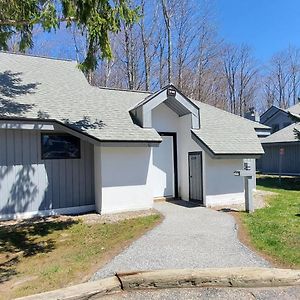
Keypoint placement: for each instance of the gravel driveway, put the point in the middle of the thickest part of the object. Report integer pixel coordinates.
(189, 237)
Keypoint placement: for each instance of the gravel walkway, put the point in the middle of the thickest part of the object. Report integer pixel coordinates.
(189, 237)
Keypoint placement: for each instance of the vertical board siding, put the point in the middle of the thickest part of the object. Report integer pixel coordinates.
(269, 162)
(28, 183)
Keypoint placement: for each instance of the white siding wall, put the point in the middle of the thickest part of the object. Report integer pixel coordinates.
(219, 184)
(162, 170)
(164, 119)
(29, 184)
(222, 187)
(187, 144)
(124, 179)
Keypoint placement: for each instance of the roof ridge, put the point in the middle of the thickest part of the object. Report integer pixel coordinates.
(122, 89)
(294, 105)
(38, 56)
(280, 132)
(230, 113)
(270, 108)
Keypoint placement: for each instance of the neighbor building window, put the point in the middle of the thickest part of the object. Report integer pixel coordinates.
(60, 146)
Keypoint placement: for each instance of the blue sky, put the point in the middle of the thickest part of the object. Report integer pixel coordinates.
(268, 26)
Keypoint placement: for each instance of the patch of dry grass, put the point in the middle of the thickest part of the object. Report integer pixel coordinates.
(45, 255)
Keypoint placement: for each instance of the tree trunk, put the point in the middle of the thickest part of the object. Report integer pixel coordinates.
(167, 19)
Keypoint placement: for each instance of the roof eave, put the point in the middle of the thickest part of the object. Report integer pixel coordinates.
(224, 155)
(95, 139)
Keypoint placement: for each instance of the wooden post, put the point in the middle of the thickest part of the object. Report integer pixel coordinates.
(248, 195)
(281, 153)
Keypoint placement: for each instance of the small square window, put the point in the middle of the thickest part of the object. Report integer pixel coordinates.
(60, 146)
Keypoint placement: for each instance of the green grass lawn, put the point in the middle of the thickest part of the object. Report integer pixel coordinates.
(42, 256)
(275, 230)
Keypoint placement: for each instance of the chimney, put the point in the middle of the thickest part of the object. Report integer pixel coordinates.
(252, 115)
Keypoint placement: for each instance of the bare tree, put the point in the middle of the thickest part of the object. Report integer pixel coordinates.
(167, 15)
(130, 70)
(269, 92)
(178, 41)
(145, 42)
(185, 37)
(281, 78)
(148, 26)
(231, 63)
(294, 70)
(240, 71)
(247, 84)
(206, 76)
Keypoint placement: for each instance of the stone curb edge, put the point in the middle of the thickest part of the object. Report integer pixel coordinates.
(176, 278)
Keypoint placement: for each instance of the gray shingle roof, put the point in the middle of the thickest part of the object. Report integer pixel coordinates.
(33, 87)
(284, 135)
(295, 110)
(226, 133)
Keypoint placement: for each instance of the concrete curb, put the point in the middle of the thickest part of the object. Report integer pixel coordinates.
(227, 277)
(159, 279)
(89, 290)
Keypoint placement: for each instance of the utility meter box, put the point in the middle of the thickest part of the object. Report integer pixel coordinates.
(243, 173)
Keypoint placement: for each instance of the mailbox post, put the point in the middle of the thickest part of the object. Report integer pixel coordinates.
(247, 174)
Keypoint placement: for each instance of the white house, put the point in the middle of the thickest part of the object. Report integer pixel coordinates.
(68, 147)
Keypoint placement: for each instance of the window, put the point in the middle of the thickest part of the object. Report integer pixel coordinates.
(60, 146)
(286, 124)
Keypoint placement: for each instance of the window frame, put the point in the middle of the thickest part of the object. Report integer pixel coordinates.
(58, 134)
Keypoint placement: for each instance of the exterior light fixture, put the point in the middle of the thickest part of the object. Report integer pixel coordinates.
(171, 92)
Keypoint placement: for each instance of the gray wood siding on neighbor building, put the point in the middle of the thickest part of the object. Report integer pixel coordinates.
(280, 119)
(269, 162)
(30, 184)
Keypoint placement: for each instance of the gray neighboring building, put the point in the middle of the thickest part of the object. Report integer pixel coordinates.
(278, 118)
(282, 152)
(282, 149)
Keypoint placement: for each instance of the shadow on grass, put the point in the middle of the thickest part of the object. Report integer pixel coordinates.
(287, 183)
(7, 269)
(27, 238)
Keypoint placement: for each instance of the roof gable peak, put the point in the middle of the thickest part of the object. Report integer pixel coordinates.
(173, 98)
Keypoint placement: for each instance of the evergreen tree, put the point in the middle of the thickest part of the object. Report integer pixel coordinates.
(97, 17)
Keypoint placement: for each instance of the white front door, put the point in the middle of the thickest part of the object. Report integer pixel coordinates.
(163, 168)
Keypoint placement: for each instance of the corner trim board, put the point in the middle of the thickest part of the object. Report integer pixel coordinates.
(201, 201)
(174, 135)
